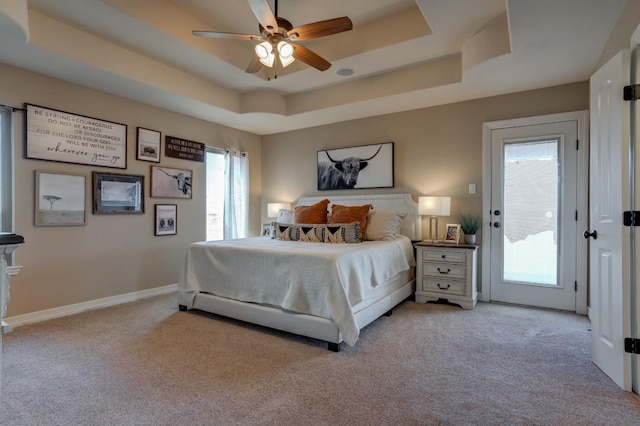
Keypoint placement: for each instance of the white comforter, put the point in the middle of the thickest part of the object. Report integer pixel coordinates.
(324, 280)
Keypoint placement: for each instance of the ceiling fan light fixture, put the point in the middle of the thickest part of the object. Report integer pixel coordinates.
(285, 51)
(264, 51)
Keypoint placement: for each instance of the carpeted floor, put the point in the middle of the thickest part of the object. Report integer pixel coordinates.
(146, 363)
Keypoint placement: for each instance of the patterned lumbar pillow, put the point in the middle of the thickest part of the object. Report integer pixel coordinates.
(317, 233)
(312, 233)
(281, 231)
(343, 233)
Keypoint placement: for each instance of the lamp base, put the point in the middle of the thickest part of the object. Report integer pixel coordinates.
(433, 230)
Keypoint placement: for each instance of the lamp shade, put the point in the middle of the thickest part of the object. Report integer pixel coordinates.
(434, 206)
(274, 208)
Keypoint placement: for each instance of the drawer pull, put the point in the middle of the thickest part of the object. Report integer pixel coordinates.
(444, 256)
(444, 288)
(444, 272)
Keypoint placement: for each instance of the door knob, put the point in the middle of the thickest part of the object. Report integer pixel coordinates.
(593, 234)
(496, 224)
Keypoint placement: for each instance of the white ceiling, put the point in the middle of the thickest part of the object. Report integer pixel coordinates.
(405, 54)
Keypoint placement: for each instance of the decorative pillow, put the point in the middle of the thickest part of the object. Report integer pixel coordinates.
(315, 213)
(343, 233)
(281, 231)
(383, 225)
(317, 233)
(285, 216)
(349, 214)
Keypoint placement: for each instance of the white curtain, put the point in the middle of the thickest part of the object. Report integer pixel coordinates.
(236, 200)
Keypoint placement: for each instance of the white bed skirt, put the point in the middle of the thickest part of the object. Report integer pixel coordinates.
(303, 324)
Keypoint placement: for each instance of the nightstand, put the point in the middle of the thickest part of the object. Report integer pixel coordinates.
(447, 271)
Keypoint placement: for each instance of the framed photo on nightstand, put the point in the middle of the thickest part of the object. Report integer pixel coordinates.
(452, 233)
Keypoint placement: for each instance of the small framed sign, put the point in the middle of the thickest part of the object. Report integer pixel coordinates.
(184, 149)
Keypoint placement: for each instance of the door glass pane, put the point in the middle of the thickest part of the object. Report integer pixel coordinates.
(530, 212)
(215, 195)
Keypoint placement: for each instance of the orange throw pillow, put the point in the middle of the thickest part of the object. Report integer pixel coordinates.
(349, 214)
(313, 214)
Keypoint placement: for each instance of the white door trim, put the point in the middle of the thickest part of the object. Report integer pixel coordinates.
(582, 117)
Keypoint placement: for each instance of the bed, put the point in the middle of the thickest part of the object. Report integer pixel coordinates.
(318, 290)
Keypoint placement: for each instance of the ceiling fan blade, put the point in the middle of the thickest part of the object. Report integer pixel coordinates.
(305, 55)
(234, 36)
(264, 15)
(321, 28)
(254, 65)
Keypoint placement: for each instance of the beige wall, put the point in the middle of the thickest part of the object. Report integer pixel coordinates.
(112, 254)
(438, 150)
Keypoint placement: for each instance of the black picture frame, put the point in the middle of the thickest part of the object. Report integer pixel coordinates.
(166, 219)
(357, 167)
(148, 146)
(115, 193)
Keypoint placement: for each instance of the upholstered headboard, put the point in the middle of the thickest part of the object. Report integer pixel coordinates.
(411, 225)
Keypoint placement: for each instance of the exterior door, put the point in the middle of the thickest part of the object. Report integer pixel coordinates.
(609, 196)
(533, 225)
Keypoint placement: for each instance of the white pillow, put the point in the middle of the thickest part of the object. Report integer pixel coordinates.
(383, 225)
(285, 216)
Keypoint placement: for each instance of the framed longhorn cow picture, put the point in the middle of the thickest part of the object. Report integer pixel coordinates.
(167, 182)
(358, 167)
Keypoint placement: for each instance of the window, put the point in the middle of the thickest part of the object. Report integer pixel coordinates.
(227, 194)
(6, 173)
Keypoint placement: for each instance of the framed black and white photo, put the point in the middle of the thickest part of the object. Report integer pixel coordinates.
(167, 182)
(60, 199)
(358, 167)
(452, 233)
(166, 219)
(148, 145)
(115, 193)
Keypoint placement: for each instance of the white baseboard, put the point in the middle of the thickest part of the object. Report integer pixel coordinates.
(62, 311)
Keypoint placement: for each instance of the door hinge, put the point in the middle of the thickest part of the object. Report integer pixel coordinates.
(575, 286)
(631, 93)
(631, 218)
(576, 215)
(577, 144)
(632, 345)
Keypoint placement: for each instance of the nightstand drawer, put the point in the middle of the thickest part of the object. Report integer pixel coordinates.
(444, 286)
(444, 270)
(443, 256)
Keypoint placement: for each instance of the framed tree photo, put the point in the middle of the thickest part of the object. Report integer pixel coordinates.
(148, 145)
(115, 193)
(60, 199)
(166, 219)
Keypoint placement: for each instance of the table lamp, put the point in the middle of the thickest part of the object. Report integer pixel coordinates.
(434, 207)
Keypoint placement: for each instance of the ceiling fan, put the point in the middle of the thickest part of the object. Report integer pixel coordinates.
(278, 35)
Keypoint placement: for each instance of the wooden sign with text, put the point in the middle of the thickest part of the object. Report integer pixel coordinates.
(69, 138)
(184, 149)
